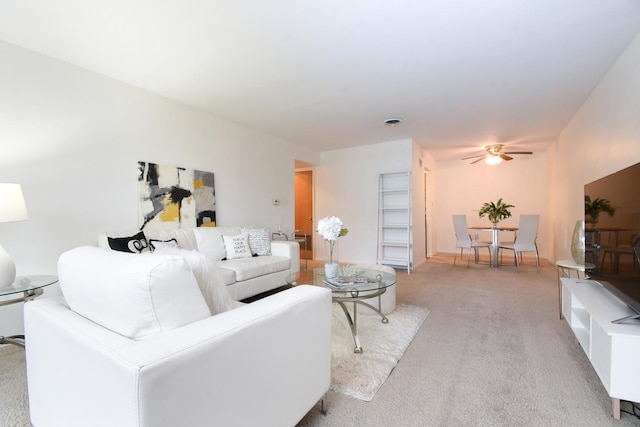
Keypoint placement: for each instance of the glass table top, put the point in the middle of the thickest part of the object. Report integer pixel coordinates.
(350, 278)
(27, 284)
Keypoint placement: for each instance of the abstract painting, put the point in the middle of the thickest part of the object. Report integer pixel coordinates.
(175, 197)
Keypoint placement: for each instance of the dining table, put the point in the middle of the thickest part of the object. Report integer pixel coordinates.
(495, 239)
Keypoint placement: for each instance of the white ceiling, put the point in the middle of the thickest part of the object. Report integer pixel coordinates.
(462, 73)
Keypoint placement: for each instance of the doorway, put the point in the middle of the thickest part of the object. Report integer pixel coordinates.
(303, 193)
(427, 212)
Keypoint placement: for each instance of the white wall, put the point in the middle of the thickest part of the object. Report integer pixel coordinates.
(603, 137)
(418, 206)
(424, 166)
(430, 171)
(346, 186)
(73, 138)
(463, 188)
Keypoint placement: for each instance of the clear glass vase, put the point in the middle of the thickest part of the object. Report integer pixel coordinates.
(331, 269)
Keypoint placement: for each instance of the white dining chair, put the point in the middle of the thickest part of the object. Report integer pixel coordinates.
(525, 240)
(464, 240)
(616, 251)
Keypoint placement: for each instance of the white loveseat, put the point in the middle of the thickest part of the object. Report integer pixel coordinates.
(244, 277)
(133, 343)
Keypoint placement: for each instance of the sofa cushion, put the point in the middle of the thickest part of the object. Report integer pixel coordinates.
(136, 244)
(161, 244)
(184, 236)
(248, 268)
(259, 240)
(209, 240)
(135, 295)
(237, 246)
(212, 280)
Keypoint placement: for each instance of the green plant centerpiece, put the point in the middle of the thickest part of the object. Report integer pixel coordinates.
(495, 211)
(593, 208)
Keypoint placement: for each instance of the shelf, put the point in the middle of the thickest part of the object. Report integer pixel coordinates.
(394, 244)
(582, 316)
(392, 261)
(396, 190)
(395, 235)
(612, 349)
(584, 338)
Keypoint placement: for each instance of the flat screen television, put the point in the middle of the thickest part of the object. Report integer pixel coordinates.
(618, 226)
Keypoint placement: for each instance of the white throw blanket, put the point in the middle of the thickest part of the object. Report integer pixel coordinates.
(209, 277)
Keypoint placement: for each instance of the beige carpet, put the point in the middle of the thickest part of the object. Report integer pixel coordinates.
(14, 409)
(492, 352)
(361, 375)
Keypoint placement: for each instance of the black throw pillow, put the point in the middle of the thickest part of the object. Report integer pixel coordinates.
(135, 244)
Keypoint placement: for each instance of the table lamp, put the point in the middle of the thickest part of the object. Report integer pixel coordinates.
(12, 208)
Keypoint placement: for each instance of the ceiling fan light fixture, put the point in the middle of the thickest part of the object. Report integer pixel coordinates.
(493, 159)
(393, 121)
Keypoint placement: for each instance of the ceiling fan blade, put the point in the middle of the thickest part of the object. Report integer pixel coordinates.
(473, 157)
(517, 152)
(503, 156)
(476, 161)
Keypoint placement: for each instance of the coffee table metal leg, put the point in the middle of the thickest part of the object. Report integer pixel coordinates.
(353, 325)
(377, 310)
(13, 339)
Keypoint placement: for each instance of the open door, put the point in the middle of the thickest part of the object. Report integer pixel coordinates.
(303, 189)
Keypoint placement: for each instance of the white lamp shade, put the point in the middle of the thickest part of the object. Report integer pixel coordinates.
(12, 206)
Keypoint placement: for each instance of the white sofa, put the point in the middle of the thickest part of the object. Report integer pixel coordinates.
(133, 344)
(244, 277)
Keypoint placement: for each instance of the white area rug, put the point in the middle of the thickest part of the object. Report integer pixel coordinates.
(361, 375)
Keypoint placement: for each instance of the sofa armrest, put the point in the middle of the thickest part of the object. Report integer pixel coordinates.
(272, 356)
(287, 249)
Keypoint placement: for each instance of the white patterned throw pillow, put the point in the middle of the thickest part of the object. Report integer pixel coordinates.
(161, 244)
(259, 240)
(237, 246)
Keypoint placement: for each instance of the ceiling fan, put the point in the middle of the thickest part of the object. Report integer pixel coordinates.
(495, 155)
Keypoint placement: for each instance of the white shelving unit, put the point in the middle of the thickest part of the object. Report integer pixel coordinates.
(395, 233)
(613, 349)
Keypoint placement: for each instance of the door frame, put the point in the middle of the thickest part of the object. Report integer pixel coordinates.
(310, 235)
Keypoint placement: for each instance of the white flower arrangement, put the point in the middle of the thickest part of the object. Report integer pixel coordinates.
(330, 228)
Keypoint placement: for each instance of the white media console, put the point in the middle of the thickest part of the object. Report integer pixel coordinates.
(613, 349)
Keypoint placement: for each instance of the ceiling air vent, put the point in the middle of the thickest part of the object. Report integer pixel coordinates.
(393, 121)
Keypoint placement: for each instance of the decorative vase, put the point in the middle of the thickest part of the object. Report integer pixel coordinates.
(331, 265)
(577, 242)
(331, 270)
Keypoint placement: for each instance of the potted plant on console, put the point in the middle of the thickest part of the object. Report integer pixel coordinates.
(330, 228)
(495, 211)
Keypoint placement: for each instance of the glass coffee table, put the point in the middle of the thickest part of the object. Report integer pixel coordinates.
(353, 285)
(30, 287)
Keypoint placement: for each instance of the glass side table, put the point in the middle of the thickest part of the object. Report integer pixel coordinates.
(23, 289)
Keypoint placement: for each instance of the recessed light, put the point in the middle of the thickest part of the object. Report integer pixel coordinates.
(393, 121)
